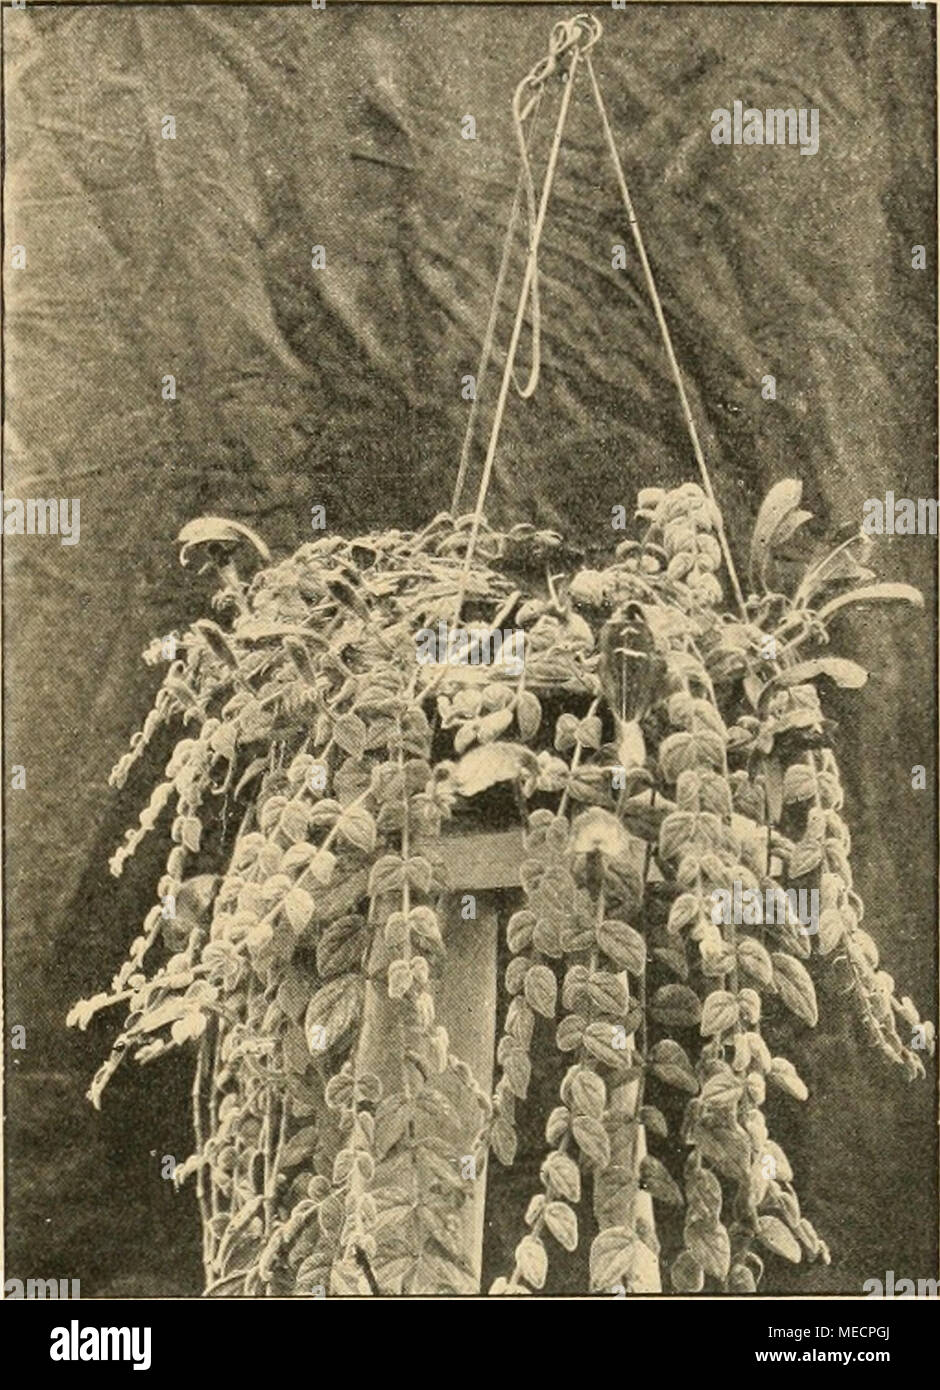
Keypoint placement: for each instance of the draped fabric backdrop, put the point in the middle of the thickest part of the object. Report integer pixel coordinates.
(341, 386)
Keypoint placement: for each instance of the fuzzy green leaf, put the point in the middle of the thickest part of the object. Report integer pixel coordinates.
(298, 905)
(541, 990)
(592, 1139)
(784, 1074)
(332, 1012)
(357, 827)
(754, 958)
(562, 1175)
(795, 987)
(873, 593)
(720, 1013)
(670, 1063)
(532, 1261)
(656, 1179)
(778, 1238)
(709, 1245)
(588, 1094)
(623, 944)
(687, 1274)
(562, 1223)
(676, 1006)
(782, 499)
(611, 1257)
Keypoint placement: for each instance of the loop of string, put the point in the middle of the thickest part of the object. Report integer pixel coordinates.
(565, 34)
(487, 350)
(526, 102)
(534, 239)
(578, 34)
(525, 175)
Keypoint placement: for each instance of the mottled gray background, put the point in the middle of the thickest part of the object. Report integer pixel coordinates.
(147, 256)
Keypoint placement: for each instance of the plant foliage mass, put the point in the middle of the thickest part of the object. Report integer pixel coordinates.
(655, 749)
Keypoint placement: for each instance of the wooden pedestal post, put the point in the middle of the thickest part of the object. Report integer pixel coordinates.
(465, 1002)
(484, 864)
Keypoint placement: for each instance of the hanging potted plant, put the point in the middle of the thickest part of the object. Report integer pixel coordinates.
(650, 770)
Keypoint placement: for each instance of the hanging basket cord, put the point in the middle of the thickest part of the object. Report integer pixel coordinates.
(526, 101)
(666, 335)
(524, 180)
(578, 35)
(565, 35)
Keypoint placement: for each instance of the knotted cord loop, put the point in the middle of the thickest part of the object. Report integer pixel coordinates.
(486, 351)
(517, 329)
(528, 183)
(581, 31)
